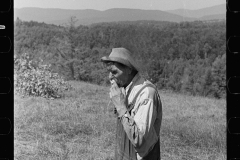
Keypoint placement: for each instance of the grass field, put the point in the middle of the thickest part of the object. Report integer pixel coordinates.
(81, 126)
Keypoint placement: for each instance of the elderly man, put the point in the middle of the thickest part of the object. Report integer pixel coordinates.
(138, 106)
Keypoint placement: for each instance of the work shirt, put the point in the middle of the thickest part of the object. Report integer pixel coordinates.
(142, 123)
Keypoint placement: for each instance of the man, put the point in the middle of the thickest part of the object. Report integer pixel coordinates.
(138, 106)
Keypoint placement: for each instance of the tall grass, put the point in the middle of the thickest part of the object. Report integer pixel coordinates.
(80, 126)
(193, 127)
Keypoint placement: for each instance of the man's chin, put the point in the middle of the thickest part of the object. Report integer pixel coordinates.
(120, 84)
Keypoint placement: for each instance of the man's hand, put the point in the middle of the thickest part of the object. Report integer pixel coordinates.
(118, 97)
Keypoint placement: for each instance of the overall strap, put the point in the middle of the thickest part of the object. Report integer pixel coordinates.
(131, 105)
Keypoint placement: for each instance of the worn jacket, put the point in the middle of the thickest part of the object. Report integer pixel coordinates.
(142, 123)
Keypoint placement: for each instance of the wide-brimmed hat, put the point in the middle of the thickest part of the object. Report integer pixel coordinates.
(123, 56)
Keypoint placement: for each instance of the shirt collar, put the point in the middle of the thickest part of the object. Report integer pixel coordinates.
(134, 80)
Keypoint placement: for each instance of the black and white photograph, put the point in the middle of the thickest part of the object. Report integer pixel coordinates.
(120, 80)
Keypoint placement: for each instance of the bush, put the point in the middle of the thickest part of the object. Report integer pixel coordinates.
(36, 79)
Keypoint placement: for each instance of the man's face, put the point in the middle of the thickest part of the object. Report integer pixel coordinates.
(119, 73)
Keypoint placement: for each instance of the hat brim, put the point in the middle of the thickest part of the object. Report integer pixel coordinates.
(106, 59)
(118, 60)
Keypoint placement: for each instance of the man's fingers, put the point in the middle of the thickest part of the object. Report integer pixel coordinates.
(115, 90)
(112, 81)
(112, 92)
(114, 84)
(115, 87)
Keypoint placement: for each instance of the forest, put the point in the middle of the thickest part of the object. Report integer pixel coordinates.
(186, 57)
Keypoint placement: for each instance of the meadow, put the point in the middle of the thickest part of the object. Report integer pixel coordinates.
(81, 126)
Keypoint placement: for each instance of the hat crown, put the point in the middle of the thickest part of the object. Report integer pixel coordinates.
(120, 53)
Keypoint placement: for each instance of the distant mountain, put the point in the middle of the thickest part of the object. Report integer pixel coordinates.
(89, 16)
(214, 10)
(61, 16)
(52, 15)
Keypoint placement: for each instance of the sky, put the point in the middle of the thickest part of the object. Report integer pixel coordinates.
(108, 4)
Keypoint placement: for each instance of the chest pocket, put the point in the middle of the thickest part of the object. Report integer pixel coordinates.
(132, 104)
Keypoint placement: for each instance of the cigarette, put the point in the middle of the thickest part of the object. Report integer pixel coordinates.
(112, 81)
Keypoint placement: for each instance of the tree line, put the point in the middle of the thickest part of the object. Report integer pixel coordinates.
(186, 57)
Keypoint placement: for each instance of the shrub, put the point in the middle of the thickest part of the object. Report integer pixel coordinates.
(33, 78)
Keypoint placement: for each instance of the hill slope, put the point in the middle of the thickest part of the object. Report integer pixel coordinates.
(82, 126)
(214, 17)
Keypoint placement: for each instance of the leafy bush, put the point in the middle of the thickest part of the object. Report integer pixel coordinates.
(36, 79)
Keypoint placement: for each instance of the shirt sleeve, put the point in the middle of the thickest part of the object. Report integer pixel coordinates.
(140, 127)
